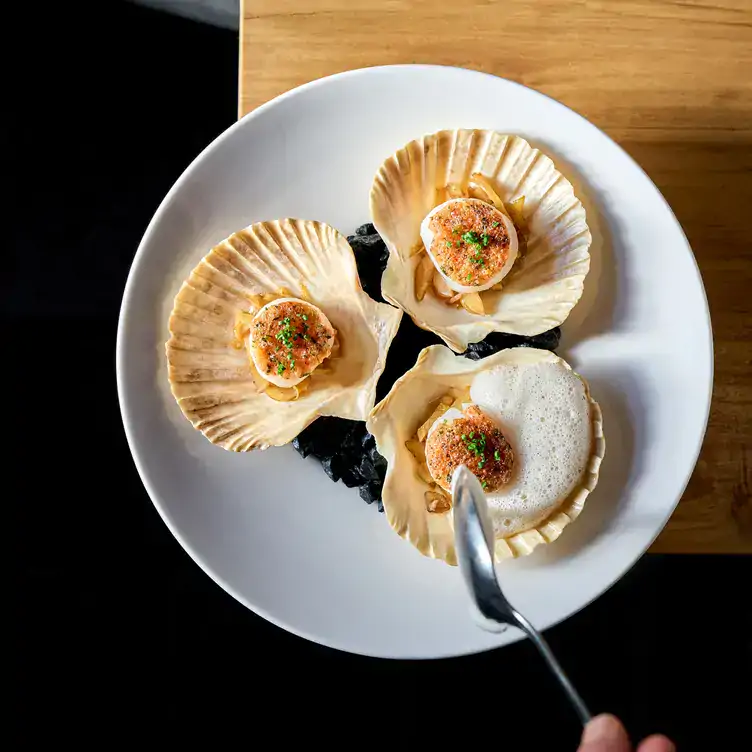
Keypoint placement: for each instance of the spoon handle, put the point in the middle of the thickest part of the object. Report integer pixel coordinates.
(540, 643)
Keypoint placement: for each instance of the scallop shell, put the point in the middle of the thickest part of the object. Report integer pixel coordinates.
(209, 370)
(396, 419)
(542, 287)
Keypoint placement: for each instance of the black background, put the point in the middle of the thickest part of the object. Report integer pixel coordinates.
(116, 633)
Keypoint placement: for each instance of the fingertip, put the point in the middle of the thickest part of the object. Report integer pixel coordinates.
(604, 732)
(657, 743)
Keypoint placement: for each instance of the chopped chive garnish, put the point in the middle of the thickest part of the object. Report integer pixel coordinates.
(484, 484)
(497, 456)
(495, 224)
(280, 368)
(476, 445)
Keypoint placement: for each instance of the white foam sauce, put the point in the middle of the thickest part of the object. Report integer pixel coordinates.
(543, 411)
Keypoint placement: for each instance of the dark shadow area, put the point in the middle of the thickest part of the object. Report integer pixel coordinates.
(115, 632)
(606, 292)
(626, 451)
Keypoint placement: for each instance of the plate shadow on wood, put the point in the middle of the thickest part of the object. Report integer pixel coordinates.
(606, 292)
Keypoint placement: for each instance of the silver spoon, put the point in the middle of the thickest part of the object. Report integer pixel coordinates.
(474, 539)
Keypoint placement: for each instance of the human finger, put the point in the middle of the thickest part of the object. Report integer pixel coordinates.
(657, 743)
(604, 733)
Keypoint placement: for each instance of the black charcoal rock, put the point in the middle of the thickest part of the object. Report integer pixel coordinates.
(351, 476)
(379, 463)
(303, 445)
(547, 341)
(365, 243)
(367, 469)
(370, 492)
(330, 466)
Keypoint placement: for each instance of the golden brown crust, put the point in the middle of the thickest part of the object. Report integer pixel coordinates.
(291, 338)
(470, 244)
(473, 440)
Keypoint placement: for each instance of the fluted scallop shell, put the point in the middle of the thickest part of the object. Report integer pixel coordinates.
(542, 287)
(396, 419)
(210, 375)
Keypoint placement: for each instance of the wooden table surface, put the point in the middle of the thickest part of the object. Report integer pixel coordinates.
(670, 81)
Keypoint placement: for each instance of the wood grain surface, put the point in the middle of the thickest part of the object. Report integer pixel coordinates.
(670, 81)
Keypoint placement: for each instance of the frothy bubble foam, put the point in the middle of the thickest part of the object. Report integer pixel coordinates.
(543, 411)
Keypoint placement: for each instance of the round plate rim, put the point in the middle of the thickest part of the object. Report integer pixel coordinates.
(126, 409)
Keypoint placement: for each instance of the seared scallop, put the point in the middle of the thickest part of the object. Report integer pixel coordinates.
(288, 340)
(522, 276)
(256, 316)
(447, 411)
(468, 438)
(471, 243)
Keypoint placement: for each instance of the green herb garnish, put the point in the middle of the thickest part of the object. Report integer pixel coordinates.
(286, 333)
(280, 368)
(495, 224)
(477, 445)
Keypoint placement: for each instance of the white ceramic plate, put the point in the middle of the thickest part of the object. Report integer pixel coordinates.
(309, 555)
